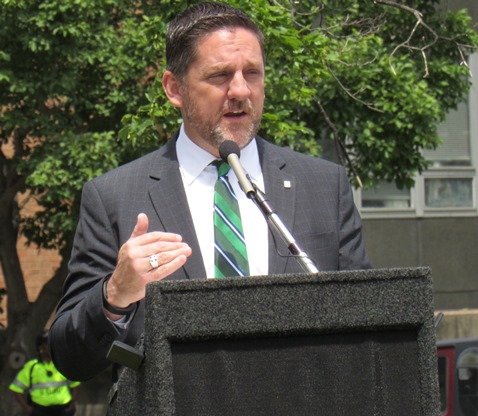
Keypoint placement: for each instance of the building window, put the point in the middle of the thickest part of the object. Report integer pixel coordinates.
(448, 192)
(449, 186)
(455, 149)
(386, 195)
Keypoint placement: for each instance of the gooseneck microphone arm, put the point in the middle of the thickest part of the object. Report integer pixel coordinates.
(273, 219)
(229, 152)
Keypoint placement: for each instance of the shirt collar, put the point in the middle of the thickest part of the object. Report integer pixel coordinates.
(194, 159)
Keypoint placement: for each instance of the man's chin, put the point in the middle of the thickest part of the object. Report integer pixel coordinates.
(241, 137)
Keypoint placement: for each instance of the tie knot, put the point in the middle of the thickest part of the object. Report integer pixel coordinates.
(222, 167)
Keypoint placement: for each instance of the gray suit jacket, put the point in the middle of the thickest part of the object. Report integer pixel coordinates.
(317, 209)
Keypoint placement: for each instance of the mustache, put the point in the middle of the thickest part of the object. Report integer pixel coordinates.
(235, 105)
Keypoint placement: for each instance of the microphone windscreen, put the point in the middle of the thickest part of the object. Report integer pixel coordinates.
(228, 147)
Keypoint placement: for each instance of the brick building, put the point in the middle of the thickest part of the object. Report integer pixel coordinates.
(37, 266)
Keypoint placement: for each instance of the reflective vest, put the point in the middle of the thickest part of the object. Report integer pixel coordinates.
(44, 383)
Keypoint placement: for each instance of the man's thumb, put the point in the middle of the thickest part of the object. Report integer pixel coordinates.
(141, 226)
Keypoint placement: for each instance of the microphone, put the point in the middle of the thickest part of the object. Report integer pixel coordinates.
(230, 153)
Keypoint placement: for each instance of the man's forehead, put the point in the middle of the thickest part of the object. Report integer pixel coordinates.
(229, 38)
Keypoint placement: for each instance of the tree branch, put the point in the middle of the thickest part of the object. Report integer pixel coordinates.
(352, 94)
(420, 23)
(341, 149)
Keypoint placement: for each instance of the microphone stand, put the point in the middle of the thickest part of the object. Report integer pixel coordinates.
(273, 219)
(229, 152)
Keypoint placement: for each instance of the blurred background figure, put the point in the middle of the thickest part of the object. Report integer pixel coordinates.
(41, 389)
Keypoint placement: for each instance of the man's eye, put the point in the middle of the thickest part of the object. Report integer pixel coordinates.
(254, 73)
(219, 75)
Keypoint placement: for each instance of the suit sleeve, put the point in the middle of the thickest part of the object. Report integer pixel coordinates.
(352, 251)
(81, 334)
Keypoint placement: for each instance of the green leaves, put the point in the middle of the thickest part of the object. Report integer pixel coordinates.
(69, 71)
(80, 87)
(63, 165)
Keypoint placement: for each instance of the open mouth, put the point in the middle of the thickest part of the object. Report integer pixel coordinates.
(235, 114)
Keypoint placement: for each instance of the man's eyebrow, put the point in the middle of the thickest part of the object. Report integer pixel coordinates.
(225, 67)
(216, 68)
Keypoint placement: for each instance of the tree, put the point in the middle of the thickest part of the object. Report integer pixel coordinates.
(68, 72)
(376, 77)
(78, 96)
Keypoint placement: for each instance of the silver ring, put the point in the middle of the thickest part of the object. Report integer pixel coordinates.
(153, 261)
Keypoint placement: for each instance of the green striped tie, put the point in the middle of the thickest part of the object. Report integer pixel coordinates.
(230, 254)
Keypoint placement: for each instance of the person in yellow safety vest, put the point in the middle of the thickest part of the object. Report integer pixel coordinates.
(41, 389)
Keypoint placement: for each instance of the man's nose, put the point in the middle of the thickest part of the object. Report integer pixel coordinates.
(238, 87)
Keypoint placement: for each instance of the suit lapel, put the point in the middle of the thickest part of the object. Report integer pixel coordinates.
(170, 203)
(280, 192)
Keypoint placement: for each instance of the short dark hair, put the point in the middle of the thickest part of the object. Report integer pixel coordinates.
(193, 24)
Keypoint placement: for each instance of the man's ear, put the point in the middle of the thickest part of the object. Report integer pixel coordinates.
(172, 88)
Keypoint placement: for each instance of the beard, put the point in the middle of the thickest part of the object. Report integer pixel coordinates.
(215, 130)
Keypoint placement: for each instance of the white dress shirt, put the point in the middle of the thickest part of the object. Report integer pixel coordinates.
(199, 179)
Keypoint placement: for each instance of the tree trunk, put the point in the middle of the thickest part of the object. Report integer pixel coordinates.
(25, 320)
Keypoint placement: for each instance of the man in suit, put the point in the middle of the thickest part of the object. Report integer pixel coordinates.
(152, 218)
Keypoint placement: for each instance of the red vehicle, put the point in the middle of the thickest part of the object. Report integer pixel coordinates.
(458, 376)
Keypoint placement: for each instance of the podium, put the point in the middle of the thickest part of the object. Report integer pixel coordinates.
(330, 344)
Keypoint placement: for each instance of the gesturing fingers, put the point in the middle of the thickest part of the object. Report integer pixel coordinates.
(145, 257)
(165, 255)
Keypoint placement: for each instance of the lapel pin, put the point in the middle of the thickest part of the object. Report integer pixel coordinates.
(287, 184)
